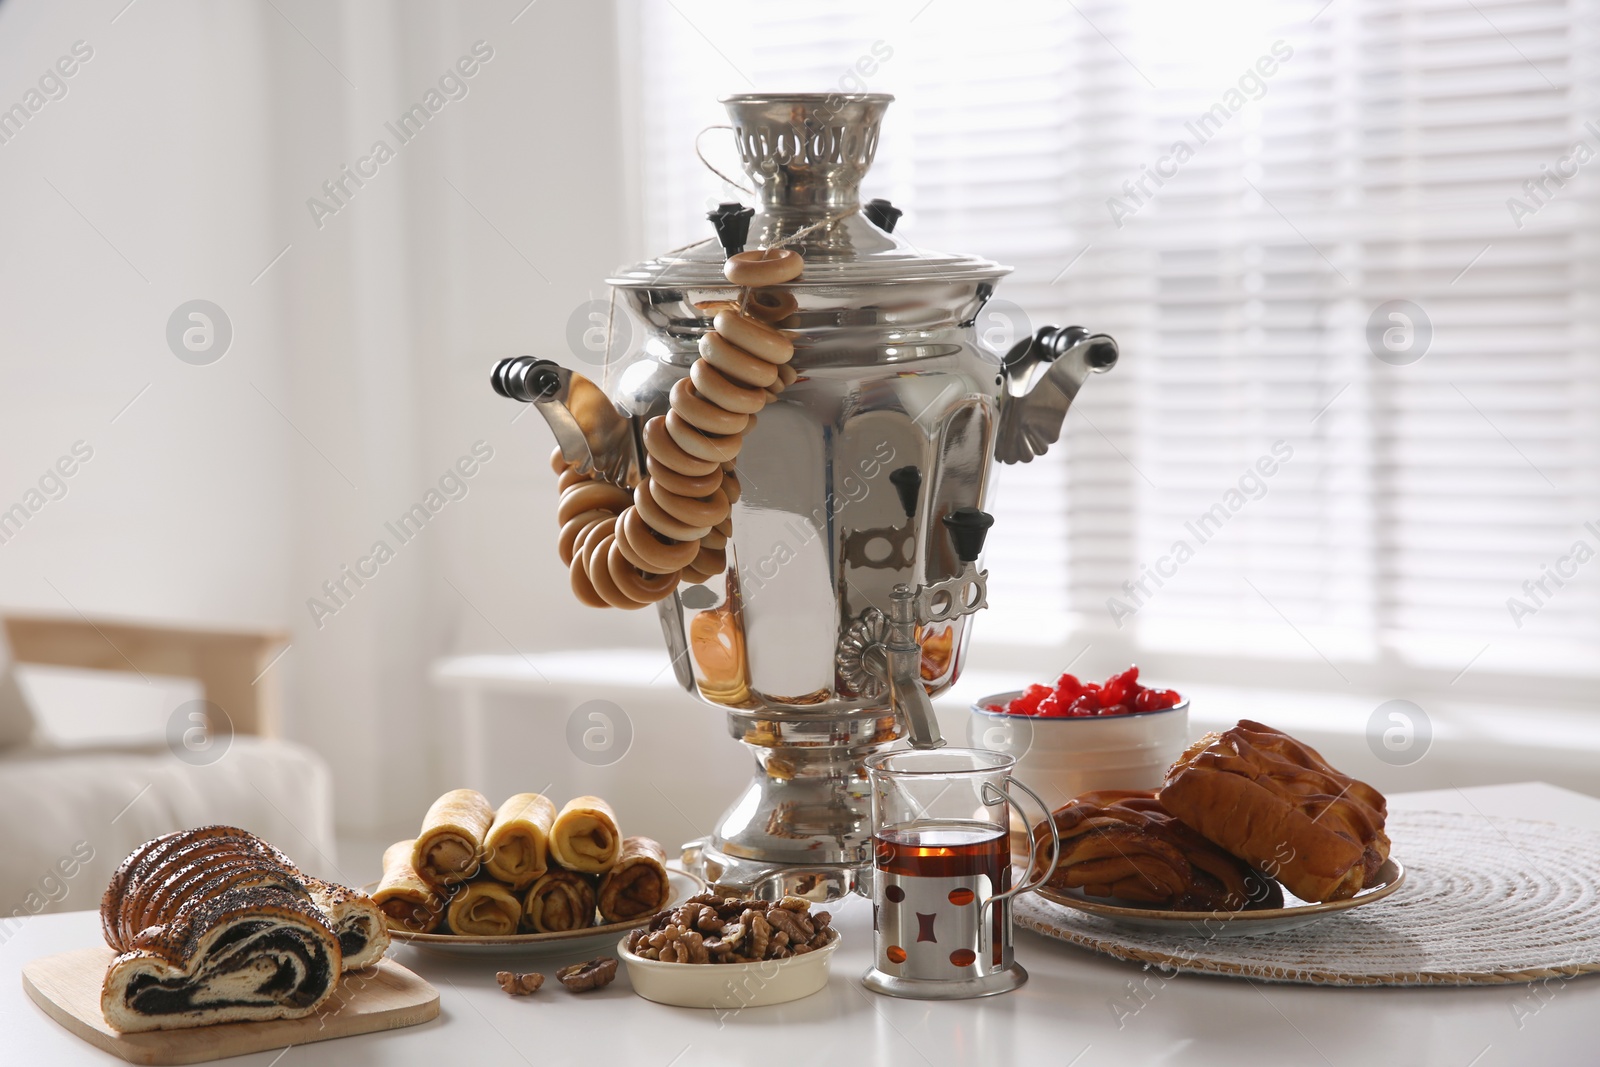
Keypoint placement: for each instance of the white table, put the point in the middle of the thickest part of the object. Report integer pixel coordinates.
(1062, 1017)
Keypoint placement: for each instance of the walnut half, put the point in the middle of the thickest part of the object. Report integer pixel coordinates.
(519, 985)
(595, 974)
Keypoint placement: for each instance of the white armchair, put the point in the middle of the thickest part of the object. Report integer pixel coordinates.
(69, 813)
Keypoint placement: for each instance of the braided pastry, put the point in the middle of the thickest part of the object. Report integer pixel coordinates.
(626, 550)
(215, 925)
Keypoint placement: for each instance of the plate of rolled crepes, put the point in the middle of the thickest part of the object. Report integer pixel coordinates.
(1252, 831)
(525, 876)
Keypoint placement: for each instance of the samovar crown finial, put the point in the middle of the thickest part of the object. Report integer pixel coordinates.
(807, 151)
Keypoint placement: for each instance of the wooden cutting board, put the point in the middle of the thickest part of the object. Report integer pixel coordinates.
(67, 987)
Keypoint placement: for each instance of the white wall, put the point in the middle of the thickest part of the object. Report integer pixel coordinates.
(183, 511)
(181, 160)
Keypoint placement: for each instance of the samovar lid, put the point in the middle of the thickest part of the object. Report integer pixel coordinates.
(806, 154)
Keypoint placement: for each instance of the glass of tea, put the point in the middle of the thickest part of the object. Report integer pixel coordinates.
(942, 882)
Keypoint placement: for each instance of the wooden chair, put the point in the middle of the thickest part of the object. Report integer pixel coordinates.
(231, 665)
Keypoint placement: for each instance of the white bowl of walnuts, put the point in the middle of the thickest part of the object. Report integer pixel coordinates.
(728, 953)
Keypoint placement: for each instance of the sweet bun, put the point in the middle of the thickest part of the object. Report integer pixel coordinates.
(1124, 844)
(1277, 804)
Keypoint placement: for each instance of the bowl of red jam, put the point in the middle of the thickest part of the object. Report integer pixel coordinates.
(1074, 736)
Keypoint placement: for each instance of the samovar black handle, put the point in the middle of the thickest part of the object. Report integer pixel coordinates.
(525, 378)
(731, 220)
(968, 527)
(882, 214)
(907, 482)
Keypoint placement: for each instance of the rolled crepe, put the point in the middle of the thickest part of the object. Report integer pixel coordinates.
(517, 848)
(561, 900)
(449, 848)
(637, 885)
(584, 837)
(484, 909)
(407, 902)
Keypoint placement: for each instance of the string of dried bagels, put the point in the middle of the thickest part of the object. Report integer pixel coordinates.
(626, 550)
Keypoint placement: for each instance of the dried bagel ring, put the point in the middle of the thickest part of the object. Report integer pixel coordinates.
(567, 540)
(590, 531)
(659, 443)
(558, 462)
(683, 484)
(648, 563)
(656, 517)
(754, 336)
(772, 305)
(595, 563)
(569, 478)
(588, 496)
(694, 577)
(643, 588)
(691, 511)
(702, 446)
(582, 587)
(766, 266)
(704, 415)
(647, 551)
(735, 362)
(710, 560)
(724, 391)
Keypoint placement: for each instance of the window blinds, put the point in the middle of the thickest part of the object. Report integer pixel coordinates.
(1280, 469)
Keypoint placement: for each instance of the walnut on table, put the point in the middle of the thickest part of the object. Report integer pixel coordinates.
(593, 974)
(519, 985)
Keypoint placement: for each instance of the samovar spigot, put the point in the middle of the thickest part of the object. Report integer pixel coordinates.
(925, 606)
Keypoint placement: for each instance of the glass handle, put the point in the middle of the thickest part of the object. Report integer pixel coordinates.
(1033, 846)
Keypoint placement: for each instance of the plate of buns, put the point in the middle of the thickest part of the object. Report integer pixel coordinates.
(523, 877)
(1252, 831)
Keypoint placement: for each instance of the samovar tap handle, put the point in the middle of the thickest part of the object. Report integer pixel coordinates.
(909, 608)
(590, 430)
(1043, 374)
(907, 695)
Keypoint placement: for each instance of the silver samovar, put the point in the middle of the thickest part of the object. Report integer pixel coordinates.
(852, 567)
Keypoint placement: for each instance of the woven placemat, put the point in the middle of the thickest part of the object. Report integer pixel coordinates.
(1486, 901)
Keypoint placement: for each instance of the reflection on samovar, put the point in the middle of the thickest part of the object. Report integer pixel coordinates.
(839, 587)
